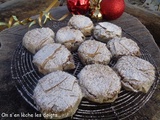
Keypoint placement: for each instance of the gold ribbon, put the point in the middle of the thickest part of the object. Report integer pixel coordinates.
(51, 5)
(13, 21)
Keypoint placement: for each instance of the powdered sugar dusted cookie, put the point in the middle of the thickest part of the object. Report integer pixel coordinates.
(35, 39)
(92, 51)
(123, 46)
(99, 83)
(137, 74)
(57, 95)
(53, 57)
(105, 31)
(69, 37)
(82, 23)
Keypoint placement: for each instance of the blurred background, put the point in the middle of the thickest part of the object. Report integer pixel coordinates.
(21, 8)
(147, 11)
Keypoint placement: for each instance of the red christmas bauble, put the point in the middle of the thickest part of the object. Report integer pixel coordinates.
(112, 9)
(78, 6)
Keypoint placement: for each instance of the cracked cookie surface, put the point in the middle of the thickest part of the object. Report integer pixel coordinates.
(92, 51)
(82, 23)
(69, 37)
(123, 46)
(57, 95)
(105, 31)
(53, 57)
(99, 83)
(35, 39)
(137, 74)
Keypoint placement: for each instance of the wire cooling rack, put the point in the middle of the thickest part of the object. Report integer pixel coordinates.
(26, 76)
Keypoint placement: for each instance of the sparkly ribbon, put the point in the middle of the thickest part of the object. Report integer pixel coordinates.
(13, 21)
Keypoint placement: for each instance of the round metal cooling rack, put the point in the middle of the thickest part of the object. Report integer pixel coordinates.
(26, 76)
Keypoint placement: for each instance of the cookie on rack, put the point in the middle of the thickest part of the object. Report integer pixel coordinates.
(137, 74)
(69, 37)
(123, 46)
(53, 57)
(105, 31)
(99, 83)
(57, 95)
(35, 39)
(82, 23)
(92, 51)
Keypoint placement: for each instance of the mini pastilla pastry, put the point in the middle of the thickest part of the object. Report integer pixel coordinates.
(99, 83)
(69, 37)
(82, 23)
(35, 39)
(137, 74)
(53, 57)
(57, 95)
(123, 46)
(92, 51)
(104, 31)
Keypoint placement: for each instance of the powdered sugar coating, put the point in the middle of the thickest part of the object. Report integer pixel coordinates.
(105, 31)
(137, 74)
(99, 83)
(92, 51)
(57, 95)
(82, 23)
(123, 46)
(69, 37)
(53, 57)
(35, 39)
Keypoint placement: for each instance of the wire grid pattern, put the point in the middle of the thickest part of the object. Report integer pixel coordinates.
(26, 76)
